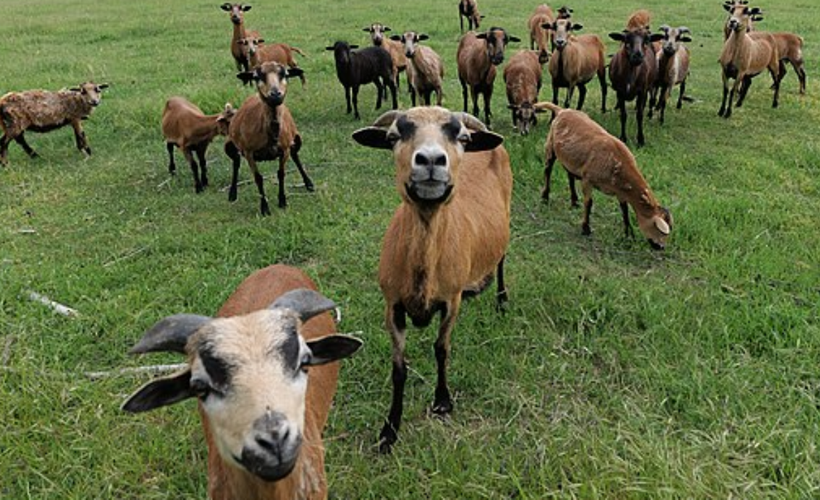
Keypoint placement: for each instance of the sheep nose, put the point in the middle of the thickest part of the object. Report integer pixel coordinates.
(272, 443)
(430, 159)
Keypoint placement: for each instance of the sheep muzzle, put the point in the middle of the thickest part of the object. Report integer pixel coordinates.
(271, 450)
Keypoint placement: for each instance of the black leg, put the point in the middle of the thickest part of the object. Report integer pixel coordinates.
(4, 148)
(347, 99)
(640, 106)
(396, 323)
(203, 165)
(280, 176)
(501, 290)
(294, 151)
(21, 140)
(194, 170)
(628, 232)
(233, 154)
(573, 194)
(680, 96)
(172, 166)
(622, 111)
(582, 94)
(586, 230)
(355, 91)
(549, 161)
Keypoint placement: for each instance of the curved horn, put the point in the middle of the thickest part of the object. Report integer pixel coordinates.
(305, 302)
(470, 121)
(665, 28)
(170, 334)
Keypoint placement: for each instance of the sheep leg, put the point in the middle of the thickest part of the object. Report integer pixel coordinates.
(172, 166)
(501, 288)
(203, 165)
(680, 96)
(474, 95)
(21, 140)
(294, 151)
(464, 92)
(233, 153)
(194, 169)
(570, 91)
(280, 176)
(628, 231)
(260, 186)
(397, 324)
(549, 161)
(488, 95)
(461, 21)
(573, 194)
(380, 90)
(722, 110)
(665, 93)
(355, 91)
(744, 89)
(622, 110)
(801, 74)
(412, 96)
(347, 98)
(586, 187)
(640, 107)
(602, 80)
(582, 94)
(4, 148)
(776, 86)
(438, 96)
(443, 403)
(393, 90)
(79, 137)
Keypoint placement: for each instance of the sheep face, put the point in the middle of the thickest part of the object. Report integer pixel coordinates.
(236, 10)
(250, 45)
(91, 92)
(672, 38)
(562, 30)
(496, 41)
(410, 40)
(250, 374)
(657, 228)
(428, 144)
(634, 42)
(740, 19)
(223, 121)
(524, 117)
(377, 32)
(271, 79)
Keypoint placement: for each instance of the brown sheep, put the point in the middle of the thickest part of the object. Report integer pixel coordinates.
(259, 52)
(395, 49)
(469, 9)
(640, 19)
(599, 160)
(448, 236)
(540, 37)
(237, 12)
(575, 62)
(522, 76)
(425, 70)
(673, 66)
(264, 372)
(745, 56)
(44, 111)
(478, 55)
(263, 129)
(185, 126)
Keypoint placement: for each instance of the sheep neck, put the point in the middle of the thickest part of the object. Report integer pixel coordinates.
(75, 105)
(203, 129)
(736, 49)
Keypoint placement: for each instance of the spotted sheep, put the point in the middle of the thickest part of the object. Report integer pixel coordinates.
(264, 374)
(448, 237)
(425, 71)
(44, 111)
(237, 12)
(575, 61)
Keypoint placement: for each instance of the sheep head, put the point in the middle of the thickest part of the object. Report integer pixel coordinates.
(672, 38)
(525, 116)
(410, 40)
(377, 32)
(428, 144)
(223, 121)
(562, 31)
(741, 18)
(657, 227)
(250, 374)
(236, 10)
(91, 92)
(271, 79)
(496, 40)
(633, 43)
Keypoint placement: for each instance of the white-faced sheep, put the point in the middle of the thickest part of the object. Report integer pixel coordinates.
(522, 77)
(478, 55)
(599, 160)
(265, 373)
(44, 111)
(259, 52)
(237, 12)
(745, 56)
(448, 236)
(377, 36)
(263, 129)
(673, 66)
(185, 126)
(539, 35)
(425, 71)
(575, 62)
(355, 68)
(469, 9)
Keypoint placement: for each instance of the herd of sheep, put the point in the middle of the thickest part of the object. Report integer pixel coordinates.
(446, 241)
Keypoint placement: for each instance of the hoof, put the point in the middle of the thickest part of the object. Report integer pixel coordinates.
(442, 408)
(387, 438)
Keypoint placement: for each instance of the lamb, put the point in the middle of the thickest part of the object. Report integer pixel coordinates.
(263, 129)
(745, 56)
(478, 55)
(264, 373)
(237, 11)
(599, 160)
(260, 52)
(523, 80)
(540, 36)
(673, 66)
(397, 52)
(447, 237)
(425, 71)
(633, 71)
(185, 126)
(469, 9)
(357, 68)
(575, 62)
(44, 111)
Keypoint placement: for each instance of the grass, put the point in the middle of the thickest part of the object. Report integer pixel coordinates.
(617, 371)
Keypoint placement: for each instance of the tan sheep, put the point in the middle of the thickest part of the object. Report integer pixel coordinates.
(395, 49)
(673, 66)
(259, 52)
(425, 71)
(540, 37)
(575, 62)
(237, 12)
(522, 77)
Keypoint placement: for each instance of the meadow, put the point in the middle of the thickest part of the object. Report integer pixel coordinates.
(617, 371)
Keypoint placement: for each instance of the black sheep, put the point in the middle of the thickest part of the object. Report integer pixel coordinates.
(356, 68)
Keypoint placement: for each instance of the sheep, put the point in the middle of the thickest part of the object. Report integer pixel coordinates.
(263, 129)
(599, 160)
(673, 66)
(575, 62)
(186, 127)
(447, 237)
(540, 37)
(356, 68)
(523, 80)
(743, 57)
(425, 71)
(259, 52)
(469, 9)
(237, 11)
(264, 373)
(44, 111)
(633, 71)
(397, 52)
(478, 55)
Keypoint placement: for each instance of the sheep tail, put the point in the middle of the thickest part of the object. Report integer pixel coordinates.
(298, 51)
(548, 105)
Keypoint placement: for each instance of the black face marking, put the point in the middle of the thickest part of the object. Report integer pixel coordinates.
(406, 128)
(452, 129)
(289, 349)
(218, 369)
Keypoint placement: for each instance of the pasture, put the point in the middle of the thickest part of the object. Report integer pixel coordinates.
(617, 371)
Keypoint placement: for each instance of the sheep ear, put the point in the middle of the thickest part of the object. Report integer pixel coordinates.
(160, 392)
(305, 302)
(294, 72)
(685, 39)
(75, 89)
(332, 348)
(103, 86)
(548, 26)
(618, 37)
(246, 8)
(727, 7)
(655, 37)
(354, 46)
(226, 7)
(396, 38)
(366, 29)
(661, 225)
(481, 36)
(247, 77)
(386, 28)
(422, 37)
(170, 334)
(373, 137)
(330, 48)
(577, 27)
(755, 10)
(483, 140)
(513, 39)
(261, 40)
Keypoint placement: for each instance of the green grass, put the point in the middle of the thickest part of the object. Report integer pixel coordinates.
(617, 372)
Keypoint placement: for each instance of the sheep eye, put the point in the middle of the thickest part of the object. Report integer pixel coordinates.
(392, 137)
(201, 388)
(463, 138)
(305, 362)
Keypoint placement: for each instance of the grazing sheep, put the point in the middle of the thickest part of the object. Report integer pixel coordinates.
(599, 160)
(469, 9)
(44, 111)
(425, 71)
(264, 372)
(745, 56)
(673, 66)
(185, 126)
(259, 52)
(447, 237)
(540, 37)
(237, 12)
(478, 55)
(633, 71)
(522, 76)
(395, 49)
(575, 62)
(357, 68)
(263, 129)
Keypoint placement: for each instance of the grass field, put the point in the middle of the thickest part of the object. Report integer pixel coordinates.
(618, 372)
